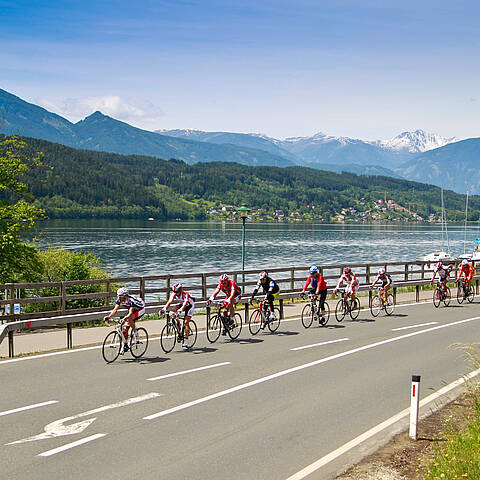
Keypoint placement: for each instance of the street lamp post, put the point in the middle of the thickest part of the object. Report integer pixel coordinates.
(244, 213)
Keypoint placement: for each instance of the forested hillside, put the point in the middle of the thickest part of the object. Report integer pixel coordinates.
(79, 183)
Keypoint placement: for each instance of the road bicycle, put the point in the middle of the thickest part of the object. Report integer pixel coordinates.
(440, 296)
(262, 317)
(311, 311)
(174, 332)
(378, 304)
(114, 342)
(219, 323)
(346, 306)
(465, 292)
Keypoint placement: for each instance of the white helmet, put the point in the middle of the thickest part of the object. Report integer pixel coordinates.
(121, 292)
(223, 278)
(464, 261)
(177, 287)
(381, 271)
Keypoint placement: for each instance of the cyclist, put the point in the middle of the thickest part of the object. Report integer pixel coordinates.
(270, 289)
(185, 303)
(443, 275)
(136, 310)
(318, 287)
(351, 282)
(233, 296)
(386, 281)
(466, 269)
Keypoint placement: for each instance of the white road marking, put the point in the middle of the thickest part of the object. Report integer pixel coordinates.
(58, 429)
(373, 431)
(68, 446)
(301, 367)
(414, 326)
(320, 344)
(28, 407)
(188, 371)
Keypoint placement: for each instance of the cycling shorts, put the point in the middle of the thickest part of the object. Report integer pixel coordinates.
(189, 308)
(235, 300)
(138, 314)
(349, 289)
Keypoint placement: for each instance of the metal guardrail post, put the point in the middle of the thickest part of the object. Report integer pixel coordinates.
(394, 295)
(246, 312)
(281, 308)
(370, 295)
(417, 293)
(406, 272)
(292, 279)
(12, 298)
(476, 287)
(69, 335)
(10, 345)
(142, 288)
(423, 271)
(208, 314)
(367, 275)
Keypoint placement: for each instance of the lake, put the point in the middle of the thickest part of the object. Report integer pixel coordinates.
(135, 248)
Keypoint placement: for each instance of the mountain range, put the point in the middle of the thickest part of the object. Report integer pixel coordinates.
(417, 155)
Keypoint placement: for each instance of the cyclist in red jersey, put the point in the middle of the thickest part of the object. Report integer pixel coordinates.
(232, 292)
(318, 286)
(467, 270)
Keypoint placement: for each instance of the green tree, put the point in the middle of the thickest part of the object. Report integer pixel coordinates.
(18, 259)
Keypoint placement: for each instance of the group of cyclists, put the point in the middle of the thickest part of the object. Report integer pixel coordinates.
(315, 283)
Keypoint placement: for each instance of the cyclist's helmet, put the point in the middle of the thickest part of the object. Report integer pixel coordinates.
(177, 287)
(381, 271)
(223, 278)
(313, 269)
(347, 270)
(263, 275)
(464, 261)
(438, 265)
(122, 292)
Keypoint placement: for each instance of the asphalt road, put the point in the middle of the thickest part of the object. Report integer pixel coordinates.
(264, 409)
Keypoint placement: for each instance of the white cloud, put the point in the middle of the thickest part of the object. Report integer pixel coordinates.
(141, 113)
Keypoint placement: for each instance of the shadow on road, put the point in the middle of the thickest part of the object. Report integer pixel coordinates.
(147, 360)
(197, 351)
(243, 341)
(286, 333)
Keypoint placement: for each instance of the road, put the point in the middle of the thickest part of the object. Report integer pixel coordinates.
(264, 408)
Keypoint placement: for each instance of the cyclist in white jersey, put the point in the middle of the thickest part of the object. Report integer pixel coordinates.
(185, 303)
(136, 310)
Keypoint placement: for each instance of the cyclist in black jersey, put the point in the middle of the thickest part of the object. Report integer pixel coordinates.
(270, 288)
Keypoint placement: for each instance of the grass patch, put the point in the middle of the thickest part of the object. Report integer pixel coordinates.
(458, 457)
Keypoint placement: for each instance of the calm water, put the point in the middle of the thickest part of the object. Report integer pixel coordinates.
(130, 247)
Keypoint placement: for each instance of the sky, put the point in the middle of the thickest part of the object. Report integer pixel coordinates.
(364, 69)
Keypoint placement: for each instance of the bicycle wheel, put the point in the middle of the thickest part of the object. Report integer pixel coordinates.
(139, 343)
(354, 309)
(447, 297)
(111, 346)
(460, 293)
(274, 323)
(192, 336)
(214, 328)
(390, 305)
(324, 320)
(437, 295)
(340, 310)
(470, 294)
(376, 306)
(234, 331)
(168, 337)
(255, 321)
(307, 315)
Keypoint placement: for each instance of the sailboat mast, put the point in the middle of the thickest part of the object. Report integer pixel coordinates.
(466, 218)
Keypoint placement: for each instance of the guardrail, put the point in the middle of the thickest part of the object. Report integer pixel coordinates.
(411, 274)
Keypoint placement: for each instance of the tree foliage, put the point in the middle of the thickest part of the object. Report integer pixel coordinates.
(17, 214)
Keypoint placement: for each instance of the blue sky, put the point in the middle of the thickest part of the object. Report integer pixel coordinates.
(364, 69)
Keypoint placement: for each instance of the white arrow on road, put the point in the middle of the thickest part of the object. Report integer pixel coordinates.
(58, 429)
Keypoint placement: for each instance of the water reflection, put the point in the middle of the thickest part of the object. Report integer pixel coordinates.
(129, 247)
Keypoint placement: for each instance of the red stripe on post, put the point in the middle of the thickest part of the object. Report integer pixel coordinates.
(413, 391)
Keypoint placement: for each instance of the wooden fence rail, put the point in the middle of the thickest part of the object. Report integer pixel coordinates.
(40, 300)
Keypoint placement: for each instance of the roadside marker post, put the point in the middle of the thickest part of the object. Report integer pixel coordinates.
(414, 403)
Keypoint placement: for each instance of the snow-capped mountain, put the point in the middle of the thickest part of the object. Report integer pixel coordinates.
(415, 142)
